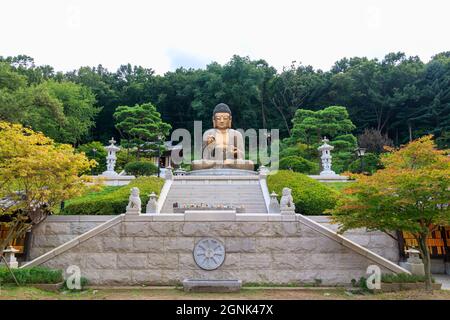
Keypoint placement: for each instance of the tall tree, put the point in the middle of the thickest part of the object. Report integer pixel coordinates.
(36, 174)
(411, 194)
(140, 125)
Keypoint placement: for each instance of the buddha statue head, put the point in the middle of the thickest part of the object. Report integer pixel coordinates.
(222, 117)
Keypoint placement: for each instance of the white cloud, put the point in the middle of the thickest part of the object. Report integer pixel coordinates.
(68, 34)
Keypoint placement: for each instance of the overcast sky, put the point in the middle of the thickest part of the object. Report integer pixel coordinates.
(167, 34)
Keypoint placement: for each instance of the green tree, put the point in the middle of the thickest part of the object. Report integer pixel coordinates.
(140, 125)
(77, 104)
(95, 150)
(309, 127)
(64, 111)
(36, 174)
(410, 194)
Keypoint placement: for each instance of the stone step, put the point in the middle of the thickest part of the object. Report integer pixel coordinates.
(248, 193)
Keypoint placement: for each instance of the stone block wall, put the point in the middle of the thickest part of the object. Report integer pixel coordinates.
(142, 250)
(375, 241)
(56, 230)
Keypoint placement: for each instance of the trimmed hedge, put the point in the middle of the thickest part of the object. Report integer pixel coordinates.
(299, 164)
(141, 168)
(403, 278)
(310, 196)
(112, 200)
(31, 275)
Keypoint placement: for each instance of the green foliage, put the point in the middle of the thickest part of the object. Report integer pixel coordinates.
(141, 168)
(299, 164)
(398, 95)
(339, 186)
(371, 163)
(99, 155)
(409, 194)
(112, 200)
(77, 103)
(403, 278)
(141, 125)
(310, 197)
(31, 275)
(62, 110)
(311, 126)
(298, 150)
(83, 283)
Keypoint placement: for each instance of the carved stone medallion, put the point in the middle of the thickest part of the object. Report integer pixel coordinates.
(209, 253)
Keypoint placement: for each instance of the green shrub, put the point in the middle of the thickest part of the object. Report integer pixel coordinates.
(299, 164)
(310, 196)
(83, 283)
(31, 275)
(112, 200)
(402, 278)
(371, 163)
(141, 168)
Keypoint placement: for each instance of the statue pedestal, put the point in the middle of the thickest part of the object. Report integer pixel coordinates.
(238, 164)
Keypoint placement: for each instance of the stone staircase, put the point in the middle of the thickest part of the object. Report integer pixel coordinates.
(228, 190)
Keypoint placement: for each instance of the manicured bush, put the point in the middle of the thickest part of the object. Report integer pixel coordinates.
(31, 275)
(112, 200)
(141, 168)
(299, 164)
(402, 278)
(83, 283)
(310, 196)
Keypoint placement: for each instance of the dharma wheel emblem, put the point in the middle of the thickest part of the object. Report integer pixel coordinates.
(209, 254)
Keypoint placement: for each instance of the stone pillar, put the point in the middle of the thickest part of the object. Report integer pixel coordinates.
(263, 172)
(414, 264)
(111, 158)
(274, 206)
(168, 173)
(325, 149)
(11, 258)
(152, 204)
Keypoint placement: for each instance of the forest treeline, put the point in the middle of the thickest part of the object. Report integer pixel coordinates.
(400, 96)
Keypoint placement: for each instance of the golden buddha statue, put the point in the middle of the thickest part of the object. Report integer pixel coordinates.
(222, 146)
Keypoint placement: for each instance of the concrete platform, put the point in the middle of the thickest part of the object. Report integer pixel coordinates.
(194, 285)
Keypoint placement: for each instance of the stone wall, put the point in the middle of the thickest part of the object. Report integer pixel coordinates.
(259, 248)
(56, 230)
(375, 241)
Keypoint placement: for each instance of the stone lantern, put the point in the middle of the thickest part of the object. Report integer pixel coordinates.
(325, 149)
(11, 258)
(111, 158)
(414, 263)
(274, 206)
(152, 204)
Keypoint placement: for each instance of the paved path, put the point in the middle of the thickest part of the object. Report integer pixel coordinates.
(444, 279)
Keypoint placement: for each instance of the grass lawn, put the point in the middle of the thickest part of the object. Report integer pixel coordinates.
(338, 186)
(30, 293)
